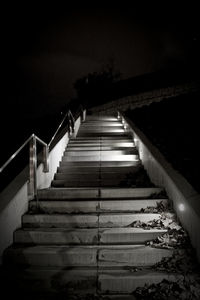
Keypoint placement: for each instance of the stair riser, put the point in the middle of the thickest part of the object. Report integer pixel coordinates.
(81, 182)
(93, 206)
(94, 176)
(122, 138)
(125, 236)
(68, 258)
(89, 165)
(101, 123)
(98, 148)
(55, 282)
(86, 237)
(110, 257)
(126, 143)
(102, 157)
(113, 283)
(85, 221)
(99, 153)
(73, 172)
(105, 193)
(118, 128)
(102, 134)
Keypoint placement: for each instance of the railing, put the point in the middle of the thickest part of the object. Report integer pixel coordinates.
(32, 140)
(70, 128)
(124, 123)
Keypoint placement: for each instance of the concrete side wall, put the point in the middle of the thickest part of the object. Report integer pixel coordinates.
(186, 200)
(44, 179)
(14, 198)
(13, 204)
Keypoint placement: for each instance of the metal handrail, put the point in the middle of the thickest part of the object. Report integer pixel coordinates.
(32, 161)
(20, 148)
(69, 114)
(32, 140)
(15, 154)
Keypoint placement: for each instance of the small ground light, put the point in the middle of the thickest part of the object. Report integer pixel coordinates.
(181, 207)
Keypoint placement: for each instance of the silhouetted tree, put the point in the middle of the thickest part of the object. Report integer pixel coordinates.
(95, 87)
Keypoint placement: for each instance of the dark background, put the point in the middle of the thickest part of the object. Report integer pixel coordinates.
(46, 48)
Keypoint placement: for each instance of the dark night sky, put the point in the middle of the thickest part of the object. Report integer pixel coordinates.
(47, 49)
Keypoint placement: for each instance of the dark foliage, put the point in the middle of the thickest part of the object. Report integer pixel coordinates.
(173, 126)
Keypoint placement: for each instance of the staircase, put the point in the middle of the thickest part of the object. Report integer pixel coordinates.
(80, 240)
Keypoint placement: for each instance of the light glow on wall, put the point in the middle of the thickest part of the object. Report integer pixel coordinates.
(181, 207)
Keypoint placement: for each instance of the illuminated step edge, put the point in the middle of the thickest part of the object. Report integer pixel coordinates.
(100, 153)
(102, 157)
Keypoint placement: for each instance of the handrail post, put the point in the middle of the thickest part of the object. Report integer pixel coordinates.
(33, 168)
(46, 159)
(71, 122)
(83, 116)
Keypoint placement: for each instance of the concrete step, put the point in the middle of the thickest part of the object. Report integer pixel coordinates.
(94, 206)
(128, 205)
(68, 193)
(77, 176)
(85, 256)
(103, 134)
(102, 138)
(104, 128)
(99, 131)
(98, 148)
(56, 236)
(126, 281)
(101, 118)
(130, 256)
(99, 164)
(105, 193)
(65, 169)
(130, 192)
(52, 256)
(52, 282)
(92, 236)
(93, 144)
(84, 220)
(56, 206)
(91, 175)
(101, 153)
(124, 220)
(86, 183)
(102, 157)
(60, 220)
(56, 281)
(102, 124)
(95, 182)
(114, 193)
(128, 235)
